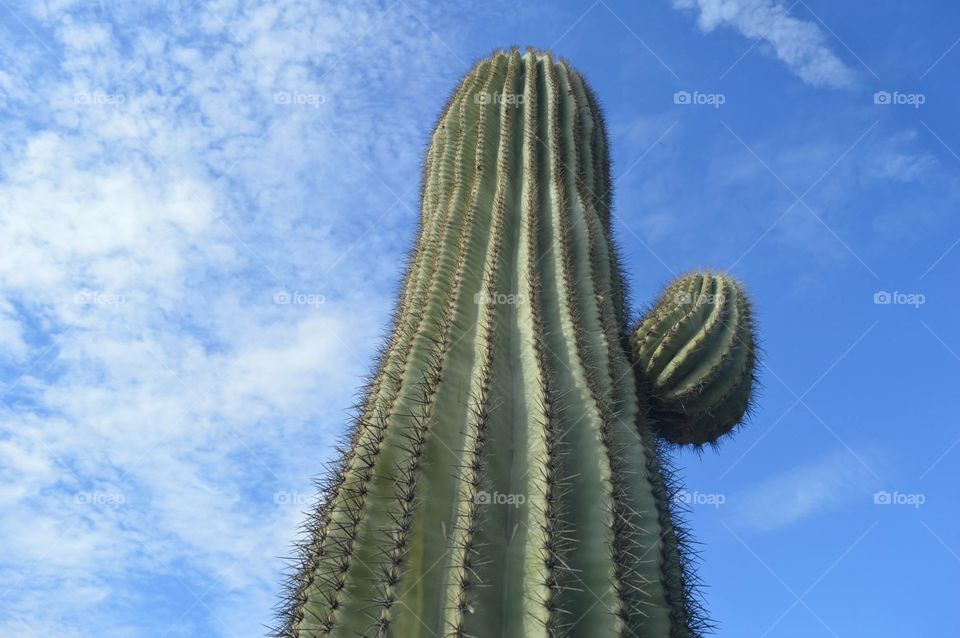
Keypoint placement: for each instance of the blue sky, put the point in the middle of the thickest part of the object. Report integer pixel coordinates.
(205, 206)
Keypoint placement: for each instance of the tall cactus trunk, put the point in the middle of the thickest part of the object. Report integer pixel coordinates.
(502, 479)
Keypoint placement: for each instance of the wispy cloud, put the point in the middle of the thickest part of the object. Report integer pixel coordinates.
(181, 331)
(802, 45)
(795, 494)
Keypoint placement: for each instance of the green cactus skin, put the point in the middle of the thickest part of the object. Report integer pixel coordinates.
(503, 478)
(697, 354)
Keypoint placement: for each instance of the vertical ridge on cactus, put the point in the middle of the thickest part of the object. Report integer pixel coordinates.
(503, 477)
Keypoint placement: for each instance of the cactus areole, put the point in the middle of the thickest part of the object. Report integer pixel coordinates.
(503, 478)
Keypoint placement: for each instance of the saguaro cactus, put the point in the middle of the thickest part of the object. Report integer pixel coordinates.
(503, 477)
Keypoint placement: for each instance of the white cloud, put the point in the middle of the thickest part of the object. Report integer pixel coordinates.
(800, 44)
(795, 494)
(153, 201)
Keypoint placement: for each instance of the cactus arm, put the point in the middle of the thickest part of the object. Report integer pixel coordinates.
(696, 352)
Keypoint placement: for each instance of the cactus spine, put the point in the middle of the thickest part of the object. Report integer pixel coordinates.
(503, 478)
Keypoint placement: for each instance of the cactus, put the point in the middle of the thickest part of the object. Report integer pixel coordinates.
(504, 476)
(697, 352)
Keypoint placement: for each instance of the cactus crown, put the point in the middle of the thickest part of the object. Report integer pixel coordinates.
(503, 477)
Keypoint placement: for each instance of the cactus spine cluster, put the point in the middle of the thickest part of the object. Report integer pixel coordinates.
(503, 478)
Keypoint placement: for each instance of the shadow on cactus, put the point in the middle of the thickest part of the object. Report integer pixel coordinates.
(504, 476)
